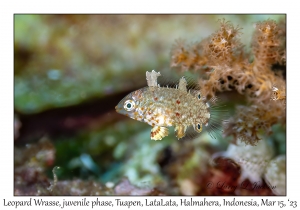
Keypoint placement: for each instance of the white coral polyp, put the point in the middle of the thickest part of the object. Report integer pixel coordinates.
(275, 175)
(252, 159)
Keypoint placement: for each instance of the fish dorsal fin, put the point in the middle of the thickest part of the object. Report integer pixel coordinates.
(182, 84)
(151, 78)
(186, 82)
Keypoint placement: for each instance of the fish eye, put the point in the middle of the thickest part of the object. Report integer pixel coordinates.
(129, 105)
(198, 127)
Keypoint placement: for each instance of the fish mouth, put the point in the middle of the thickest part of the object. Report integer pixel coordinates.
(117, 109)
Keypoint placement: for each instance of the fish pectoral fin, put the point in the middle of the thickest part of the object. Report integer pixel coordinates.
(180, 131)
(158, 132)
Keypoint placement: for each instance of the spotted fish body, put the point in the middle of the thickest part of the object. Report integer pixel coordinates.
(162, 107)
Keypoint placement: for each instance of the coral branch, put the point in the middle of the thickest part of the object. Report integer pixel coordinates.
(227, 68)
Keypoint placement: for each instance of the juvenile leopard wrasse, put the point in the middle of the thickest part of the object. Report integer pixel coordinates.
(163, 107)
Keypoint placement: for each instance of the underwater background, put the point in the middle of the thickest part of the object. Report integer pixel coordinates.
(70, 71)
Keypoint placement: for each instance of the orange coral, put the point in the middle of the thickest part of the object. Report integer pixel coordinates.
(228, 68)
(249, 121)
(267, 43)
(188, 57)
(219, 49)
(223, 44)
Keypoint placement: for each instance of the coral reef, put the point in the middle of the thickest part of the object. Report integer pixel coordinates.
(275, 174)
(229, 67)
(224, 65)
(250, 158)
(30, 179)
